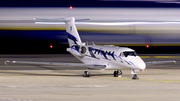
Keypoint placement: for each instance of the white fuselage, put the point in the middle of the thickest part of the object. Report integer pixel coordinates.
(113, 57)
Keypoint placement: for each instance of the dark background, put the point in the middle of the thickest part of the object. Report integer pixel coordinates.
(20, 44)
(84, 3)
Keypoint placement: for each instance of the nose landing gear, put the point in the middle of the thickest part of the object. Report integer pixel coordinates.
(134, 76)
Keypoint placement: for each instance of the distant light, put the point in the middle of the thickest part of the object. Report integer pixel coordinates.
(141, 70)
(70, 7)
(147, 46)
(51, 46)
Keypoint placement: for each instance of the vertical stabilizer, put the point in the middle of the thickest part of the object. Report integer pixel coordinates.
(72, 34)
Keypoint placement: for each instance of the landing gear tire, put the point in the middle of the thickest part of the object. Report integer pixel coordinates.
(117, 73)
(120, 72)
(86, 74)
(135, 77)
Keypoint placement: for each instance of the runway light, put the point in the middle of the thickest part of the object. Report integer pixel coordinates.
(70, 7)
(147, 46)
(51, 46)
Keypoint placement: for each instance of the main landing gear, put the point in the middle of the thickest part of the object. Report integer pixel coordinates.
(135, 76)
(117, 73)
(87, 73)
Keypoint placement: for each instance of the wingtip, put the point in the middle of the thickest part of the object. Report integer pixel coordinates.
(6, 62)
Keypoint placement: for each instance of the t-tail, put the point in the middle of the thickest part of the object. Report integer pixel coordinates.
(72, 33)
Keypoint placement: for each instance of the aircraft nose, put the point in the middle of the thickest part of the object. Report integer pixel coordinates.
(141, 65)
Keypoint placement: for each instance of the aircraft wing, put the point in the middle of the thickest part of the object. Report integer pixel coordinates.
(93, 66)
(160, 62)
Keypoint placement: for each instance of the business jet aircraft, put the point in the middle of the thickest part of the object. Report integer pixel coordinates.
(96, 56)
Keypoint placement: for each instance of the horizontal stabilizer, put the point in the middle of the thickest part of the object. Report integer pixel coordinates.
(78, 19)
(49, 23)
(60, 19)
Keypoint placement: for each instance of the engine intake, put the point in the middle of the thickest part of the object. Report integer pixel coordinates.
(82, 50)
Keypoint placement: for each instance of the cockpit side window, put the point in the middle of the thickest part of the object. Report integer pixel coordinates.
(129, 53)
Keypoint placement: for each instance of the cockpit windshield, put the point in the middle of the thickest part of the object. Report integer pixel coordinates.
(128, 53)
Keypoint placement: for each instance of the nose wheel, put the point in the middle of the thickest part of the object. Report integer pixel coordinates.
(117, 73)
(134, 76)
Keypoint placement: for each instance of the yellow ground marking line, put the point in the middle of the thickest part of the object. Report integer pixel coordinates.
(150, 80)
(117, 78)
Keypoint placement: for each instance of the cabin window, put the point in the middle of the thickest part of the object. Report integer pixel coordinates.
(109, 53)
(105, 52)
(99, 51)
(95, 51)
(129, 53)
(120, 54)
(102, 52)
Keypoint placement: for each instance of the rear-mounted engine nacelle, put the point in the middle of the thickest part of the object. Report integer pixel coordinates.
(82, 50)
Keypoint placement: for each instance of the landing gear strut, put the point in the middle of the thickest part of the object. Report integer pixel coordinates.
(135, 76)
(117, 73)
(87, 73)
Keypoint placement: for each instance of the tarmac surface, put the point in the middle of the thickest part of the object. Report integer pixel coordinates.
(60, 83)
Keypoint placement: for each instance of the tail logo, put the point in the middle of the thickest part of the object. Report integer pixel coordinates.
(72, 38)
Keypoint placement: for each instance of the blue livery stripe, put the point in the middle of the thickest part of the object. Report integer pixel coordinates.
(131, 63)
(75, 49)
(72, 37)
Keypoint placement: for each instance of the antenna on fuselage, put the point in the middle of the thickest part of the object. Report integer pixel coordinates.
(86, 42)
(93, 43)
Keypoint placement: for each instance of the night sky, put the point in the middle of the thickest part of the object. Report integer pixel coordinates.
(88, 3)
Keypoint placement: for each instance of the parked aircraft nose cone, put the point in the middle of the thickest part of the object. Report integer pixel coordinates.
(138, 63)
(141, 65)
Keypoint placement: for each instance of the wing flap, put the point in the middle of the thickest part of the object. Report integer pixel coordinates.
(94, 66)
(160, 62)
